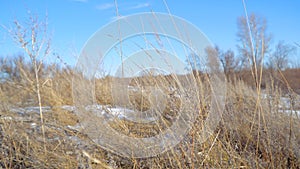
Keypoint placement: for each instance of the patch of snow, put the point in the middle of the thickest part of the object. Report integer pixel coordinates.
(18, 110)
(118, 112)
(134, 115)
(6, 118)
(33, 125)
(102, 111)
(132, 88)
(77, 127)
(37, 109)
(294, 112)
(67, 107)
(285, 101)
(26, 110)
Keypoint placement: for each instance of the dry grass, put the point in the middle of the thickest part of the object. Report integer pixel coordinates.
(253, 132)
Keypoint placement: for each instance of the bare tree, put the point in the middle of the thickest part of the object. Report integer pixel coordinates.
(229, 62)
(32, 36)
(254, 42)
(280, 57)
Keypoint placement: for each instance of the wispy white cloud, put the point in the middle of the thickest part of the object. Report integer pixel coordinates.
(124, 6)
(105, 6)
(139, 6)
(82, 1)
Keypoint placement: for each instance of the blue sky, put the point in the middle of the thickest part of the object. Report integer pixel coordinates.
(72, 22)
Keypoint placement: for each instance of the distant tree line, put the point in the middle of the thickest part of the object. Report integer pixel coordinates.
(255, 53)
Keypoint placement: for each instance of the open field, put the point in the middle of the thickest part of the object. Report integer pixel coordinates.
(149, 90)
(257, 130)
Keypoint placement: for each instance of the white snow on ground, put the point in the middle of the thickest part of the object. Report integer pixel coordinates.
(122, 113)
(30, 110)
(284, 105)
(69, 108)
(130, 114)
(294, 112)
(100, 110)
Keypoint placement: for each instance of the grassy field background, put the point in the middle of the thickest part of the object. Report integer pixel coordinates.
(259, 128)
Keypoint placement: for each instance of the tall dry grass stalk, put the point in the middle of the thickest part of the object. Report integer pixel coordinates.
(36, 47)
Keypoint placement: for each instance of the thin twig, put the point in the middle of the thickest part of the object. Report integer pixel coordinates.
(210, 148)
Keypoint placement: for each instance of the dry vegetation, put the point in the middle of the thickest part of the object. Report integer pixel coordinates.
(253, 132)
(257, 129)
